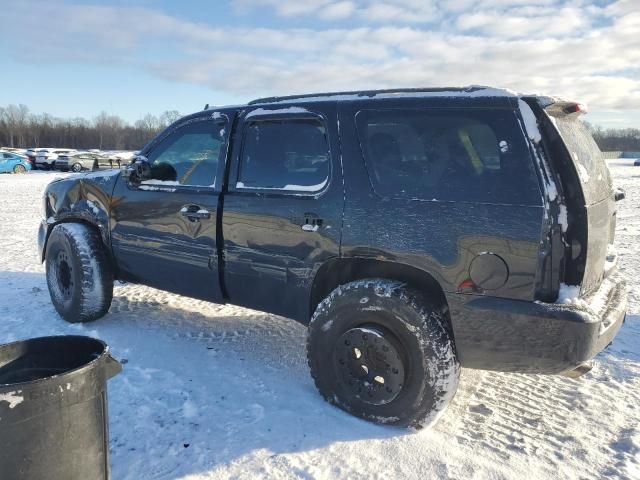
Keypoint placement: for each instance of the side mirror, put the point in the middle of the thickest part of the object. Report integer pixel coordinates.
(139, 169)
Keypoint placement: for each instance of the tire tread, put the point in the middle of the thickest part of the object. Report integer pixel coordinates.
(434, 319)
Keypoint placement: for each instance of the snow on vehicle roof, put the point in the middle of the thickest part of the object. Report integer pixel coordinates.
(468, 91)
(264, 111)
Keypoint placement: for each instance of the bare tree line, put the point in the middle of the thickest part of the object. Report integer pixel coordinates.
(19, 128)
(616, 139)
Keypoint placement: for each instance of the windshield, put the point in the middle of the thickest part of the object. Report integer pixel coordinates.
(587, 158)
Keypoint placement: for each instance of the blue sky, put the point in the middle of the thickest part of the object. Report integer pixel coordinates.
(76, 58)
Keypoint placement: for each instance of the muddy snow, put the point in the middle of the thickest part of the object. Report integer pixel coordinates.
(211, 391)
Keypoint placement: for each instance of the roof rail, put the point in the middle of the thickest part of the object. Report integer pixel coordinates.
(366, 93)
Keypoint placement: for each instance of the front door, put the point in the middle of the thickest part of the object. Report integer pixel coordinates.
(164, 229)
(283, 210)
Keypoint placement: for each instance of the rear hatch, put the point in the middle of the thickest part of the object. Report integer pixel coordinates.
(598, 214)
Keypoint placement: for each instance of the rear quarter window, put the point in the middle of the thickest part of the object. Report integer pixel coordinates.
(466, 155)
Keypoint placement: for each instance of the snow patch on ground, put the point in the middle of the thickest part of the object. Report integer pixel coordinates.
(257, 413)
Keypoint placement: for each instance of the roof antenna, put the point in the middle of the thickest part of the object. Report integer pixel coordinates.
(206, 107)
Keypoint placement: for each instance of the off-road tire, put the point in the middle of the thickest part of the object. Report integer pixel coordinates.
(412, 329)
(79, 273)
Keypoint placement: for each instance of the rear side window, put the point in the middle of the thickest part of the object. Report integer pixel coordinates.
(451, 155)
(290, 155)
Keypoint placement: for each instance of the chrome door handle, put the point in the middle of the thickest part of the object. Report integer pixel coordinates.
(194, 212)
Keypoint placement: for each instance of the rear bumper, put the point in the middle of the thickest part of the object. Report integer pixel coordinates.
(536, 337)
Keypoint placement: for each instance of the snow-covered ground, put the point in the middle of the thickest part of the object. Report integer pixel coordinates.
(212, 391)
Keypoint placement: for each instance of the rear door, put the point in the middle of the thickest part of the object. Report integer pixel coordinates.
(283, 211)
(164, 229)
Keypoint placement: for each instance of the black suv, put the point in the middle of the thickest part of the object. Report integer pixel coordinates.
(414, 231)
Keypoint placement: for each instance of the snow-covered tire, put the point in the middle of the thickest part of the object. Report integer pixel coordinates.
(79, 273)
(383, 352)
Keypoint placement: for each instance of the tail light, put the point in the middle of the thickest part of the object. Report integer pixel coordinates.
(575, 108)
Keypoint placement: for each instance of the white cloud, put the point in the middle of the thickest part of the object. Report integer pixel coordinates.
(338, 10)
(285, 8)
(527, 22)
(568, 54)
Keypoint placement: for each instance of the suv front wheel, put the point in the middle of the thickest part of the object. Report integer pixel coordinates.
(383, 352)
(79, 274)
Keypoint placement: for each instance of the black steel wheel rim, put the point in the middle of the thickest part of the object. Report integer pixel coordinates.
(64, 274)
(369, 364)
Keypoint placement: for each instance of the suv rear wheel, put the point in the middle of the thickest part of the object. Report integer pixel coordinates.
(383, 352)
(79, 274)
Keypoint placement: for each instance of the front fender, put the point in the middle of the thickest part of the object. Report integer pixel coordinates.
(85, 199)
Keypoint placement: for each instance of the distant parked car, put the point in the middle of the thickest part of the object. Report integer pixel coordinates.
(31, 156)
(120, 158)
(13, 163)
(20, 151)
(46, 157)
(88, 160)
(637, 163)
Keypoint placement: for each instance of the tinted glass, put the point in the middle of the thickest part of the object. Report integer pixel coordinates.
(190, 154)
(285, 155)
(452, 155)
(7, 155)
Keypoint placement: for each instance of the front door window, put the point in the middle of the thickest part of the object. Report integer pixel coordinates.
(188, 156)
